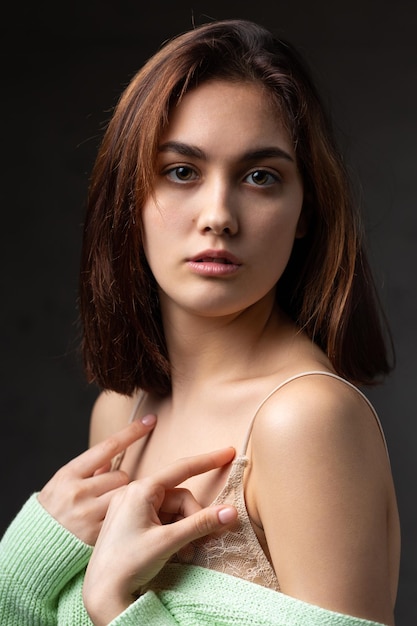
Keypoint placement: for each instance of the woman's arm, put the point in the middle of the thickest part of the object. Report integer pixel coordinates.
(46, 545)
(38, 557)
(320, 488)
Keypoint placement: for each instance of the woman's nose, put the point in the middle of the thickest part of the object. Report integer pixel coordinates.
(217, 214)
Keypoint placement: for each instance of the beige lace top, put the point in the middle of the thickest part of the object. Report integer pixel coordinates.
(238, 551)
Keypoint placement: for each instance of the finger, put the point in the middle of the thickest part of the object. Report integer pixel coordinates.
(213, 519)
(106, 500)
(178, 503)
(175, 473)
(102, 453)
(103, 470)
(104, 482)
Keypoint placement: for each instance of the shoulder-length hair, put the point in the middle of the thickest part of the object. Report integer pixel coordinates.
(327, 287)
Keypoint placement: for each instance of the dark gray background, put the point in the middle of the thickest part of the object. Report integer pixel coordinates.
(64, 66)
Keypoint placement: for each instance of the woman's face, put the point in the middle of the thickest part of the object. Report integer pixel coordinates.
(227, 206)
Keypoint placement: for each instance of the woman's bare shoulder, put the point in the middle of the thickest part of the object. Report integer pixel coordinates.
(318, 455)
(318, 405)
(111, 412)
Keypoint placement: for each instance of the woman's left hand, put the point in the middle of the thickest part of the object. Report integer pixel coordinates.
(146, 523)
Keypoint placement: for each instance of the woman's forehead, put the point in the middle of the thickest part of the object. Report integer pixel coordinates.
(237, 116)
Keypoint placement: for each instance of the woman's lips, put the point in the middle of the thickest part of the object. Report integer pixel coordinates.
(214, 263)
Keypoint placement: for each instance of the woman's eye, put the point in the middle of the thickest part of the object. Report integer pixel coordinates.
(181, 174)
(262, 178)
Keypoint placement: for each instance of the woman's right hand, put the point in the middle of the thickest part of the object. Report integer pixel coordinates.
(79, 494)
(147, 522)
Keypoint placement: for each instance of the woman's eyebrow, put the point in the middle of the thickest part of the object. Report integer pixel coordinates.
(184, 149)
(269, 152)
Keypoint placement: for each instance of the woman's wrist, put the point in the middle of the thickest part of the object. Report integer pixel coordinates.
(104, 607)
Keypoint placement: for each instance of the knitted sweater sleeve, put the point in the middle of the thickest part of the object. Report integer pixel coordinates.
(38, 557)
(41, 572)
(188, 595)
(42, 569)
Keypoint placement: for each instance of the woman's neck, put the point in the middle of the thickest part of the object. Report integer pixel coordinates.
(213, 350)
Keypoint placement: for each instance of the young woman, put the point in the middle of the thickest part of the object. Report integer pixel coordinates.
(236, 473)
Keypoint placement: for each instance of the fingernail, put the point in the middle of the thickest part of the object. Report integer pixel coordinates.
(148, 420)
(227, 515)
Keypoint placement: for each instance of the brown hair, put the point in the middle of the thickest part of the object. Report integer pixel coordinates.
(327, 287)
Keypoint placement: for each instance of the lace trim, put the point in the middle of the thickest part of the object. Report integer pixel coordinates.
(238, 551)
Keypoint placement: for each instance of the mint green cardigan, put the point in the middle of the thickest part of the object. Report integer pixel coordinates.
(42, 568)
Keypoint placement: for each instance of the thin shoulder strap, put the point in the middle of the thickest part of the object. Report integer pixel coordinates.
(138, 402)
(313, 373)
(117, 460)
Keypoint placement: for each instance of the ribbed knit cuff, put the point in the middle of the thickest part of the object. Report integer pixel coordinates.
(148, 609)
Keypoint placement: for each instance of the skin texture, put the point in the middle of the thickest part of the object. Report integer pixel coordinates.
(318, 489)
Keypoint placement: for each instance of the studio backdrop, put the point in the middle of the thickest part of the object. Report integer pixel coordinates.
(64, 66)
